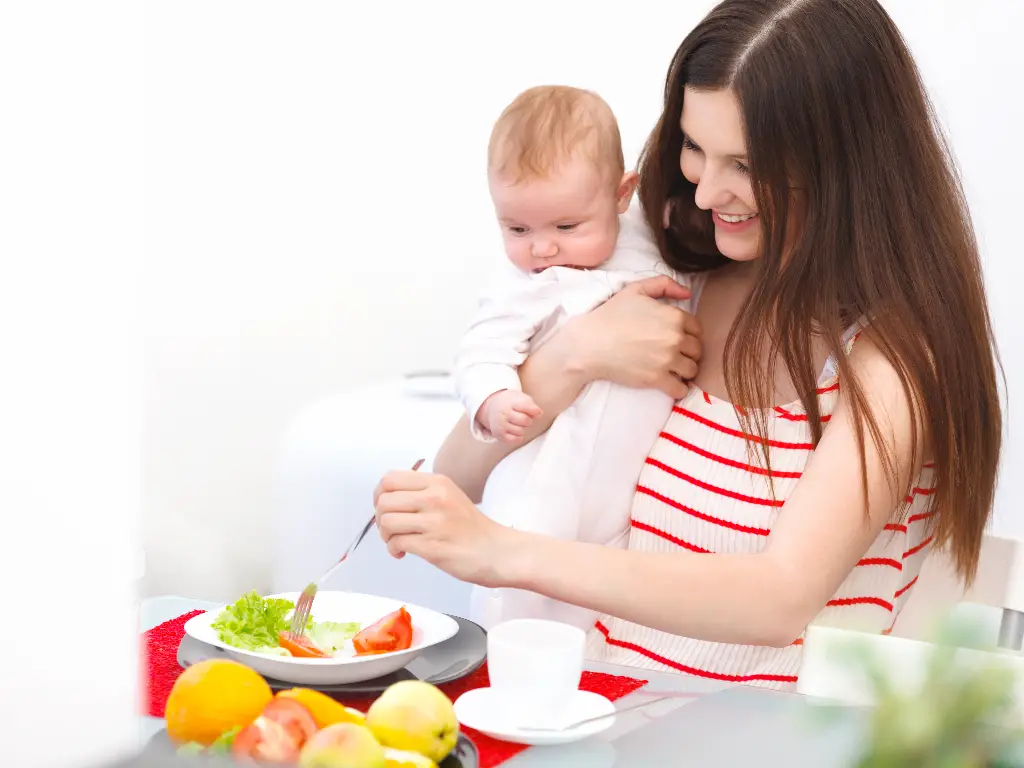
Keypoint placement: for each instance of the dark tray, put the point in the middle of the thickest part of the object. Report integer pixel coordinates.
(159, 750)
(458, 656)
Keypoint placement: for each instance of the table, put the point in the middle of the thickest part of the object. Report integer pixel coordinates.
(723, 725)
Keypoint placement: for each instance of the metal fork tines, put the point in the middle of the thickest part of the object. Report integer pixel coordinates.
(305, 605)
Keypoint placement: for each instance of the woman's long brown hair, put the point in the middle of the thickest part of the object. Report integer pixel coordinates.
(833, 105)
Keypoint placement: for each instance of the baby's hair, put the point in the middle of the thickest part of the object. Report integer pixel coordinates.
(548, 125)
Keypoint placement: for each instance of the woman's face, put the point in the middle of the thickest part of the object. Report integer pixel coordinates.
(714, 158)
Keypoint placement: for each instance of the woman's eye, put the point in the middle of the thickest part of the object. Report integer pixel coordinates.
(688, 144)
(741, 167)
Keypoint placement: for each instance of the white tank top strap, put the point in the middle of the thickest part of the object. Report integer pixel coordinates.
(849, 339)
(697, 281)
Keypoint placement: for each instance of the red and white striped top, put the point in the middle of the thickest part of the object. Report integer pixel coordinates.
(698, 492)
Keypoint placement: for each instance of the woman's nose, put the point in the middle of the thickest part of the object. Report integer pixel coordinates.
(711, 193)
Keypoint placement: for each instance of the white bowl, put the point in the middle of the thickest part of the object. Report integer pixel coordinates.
(429, 628)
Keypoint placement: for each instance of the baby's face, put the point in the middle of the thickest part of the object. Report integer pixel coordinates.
(570, 219)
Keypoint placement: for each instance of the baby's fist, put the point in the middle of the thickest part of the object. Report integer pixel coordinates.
(508, 414)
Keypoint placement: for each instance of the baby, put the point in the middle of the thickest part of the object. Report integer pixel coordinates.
(562, 198)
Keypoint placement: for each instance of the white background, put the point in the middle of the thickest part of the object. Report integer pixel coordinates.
(316, 218)
(318, 215)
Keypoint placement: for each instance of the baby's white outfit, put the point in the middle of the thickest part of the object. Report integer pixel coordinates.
(577, 480)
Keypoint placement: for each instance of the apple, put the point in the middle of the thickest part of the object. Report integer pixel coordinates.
(415, 716)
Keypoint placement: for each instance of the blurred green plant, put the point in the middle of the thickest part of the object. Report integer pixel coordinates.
(961, 716)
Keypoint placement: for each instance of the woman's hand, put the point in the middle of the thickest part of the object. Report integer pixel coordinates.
(637, 341)
(428, 516)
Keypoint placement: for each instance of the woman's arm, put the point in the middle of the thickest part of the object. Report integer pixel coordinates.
(763, 599)
(632, 339)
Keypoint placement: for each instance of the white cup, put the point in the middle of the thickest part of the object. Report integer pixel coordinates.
(535, 667)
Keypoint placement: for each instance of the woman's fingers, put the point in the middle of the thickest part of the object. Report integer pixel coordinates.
(691, 325)
(400, 487)
(691, 347)
(399, 545)
(400, 501)
(661, 287)
(405, 480)
(404, 544)
(673, 386)
(393, 524)
(684, 367)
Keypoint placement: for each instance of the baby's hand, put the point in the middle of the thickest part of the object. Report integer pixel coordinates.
(508, 414)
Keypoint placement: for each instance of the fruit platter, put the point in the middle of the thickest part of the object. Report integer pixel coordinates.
(220, 707)
(226, 707)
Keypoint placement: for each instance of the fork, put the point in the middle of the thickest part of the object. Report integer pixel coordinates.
(305, 605)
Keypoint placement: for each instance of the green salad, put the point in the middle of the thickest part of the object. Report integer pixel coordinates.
(220, 746)
(254, 623)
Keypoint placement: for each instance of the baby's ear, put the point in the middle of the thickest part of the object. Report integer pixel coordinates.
(624, 194)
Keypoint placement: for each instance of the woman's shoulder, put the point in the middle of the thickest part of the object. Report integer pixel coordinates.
(882, 385)
(868, 362)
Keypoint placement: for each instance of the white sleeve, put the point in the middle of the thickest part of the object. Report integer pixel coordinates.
(497, 340)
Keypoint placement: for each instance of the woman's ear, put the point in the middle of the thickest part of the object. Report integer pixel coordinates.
(624, 194)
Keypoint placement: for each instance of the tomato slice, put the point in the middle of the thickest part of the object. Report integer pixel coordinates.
(266, 740)
(294, 716)
(246, 740)
(390, 633)
(300, 646)
(277, 735)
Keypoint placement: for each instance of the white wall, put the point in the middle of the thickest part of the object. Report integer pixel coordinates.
(71, 236)
(317, 213)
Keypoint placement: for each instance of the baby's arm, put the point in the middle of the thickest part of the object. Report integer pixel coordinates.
(490, 353)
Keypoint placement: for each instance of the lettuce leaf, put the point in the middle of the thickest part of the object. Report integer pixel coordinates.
(222, 744)
(330, 636)
(253, 623)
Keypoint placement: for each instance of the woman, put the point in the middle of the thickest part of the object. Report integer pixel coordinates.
(845, 415)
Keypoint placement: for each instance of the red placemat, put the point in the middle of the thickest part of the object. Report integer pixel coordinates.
(160, 654)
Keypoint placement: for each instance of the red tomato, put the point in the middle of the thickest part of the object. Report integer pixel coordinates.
(278, 734)
(266, 740)
(391, 633)
(301, 647)
(295, 718)
(245, 741)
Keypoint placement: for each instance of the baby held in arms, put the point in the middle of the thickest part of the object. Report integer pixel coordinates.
(563, 199)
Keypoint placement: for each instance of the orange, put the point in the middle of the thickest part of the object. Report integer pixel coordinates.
(325, 710)
(214, 696)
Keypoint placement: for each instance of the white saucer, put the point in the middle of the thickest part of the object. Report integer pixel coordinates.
(485, 710)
